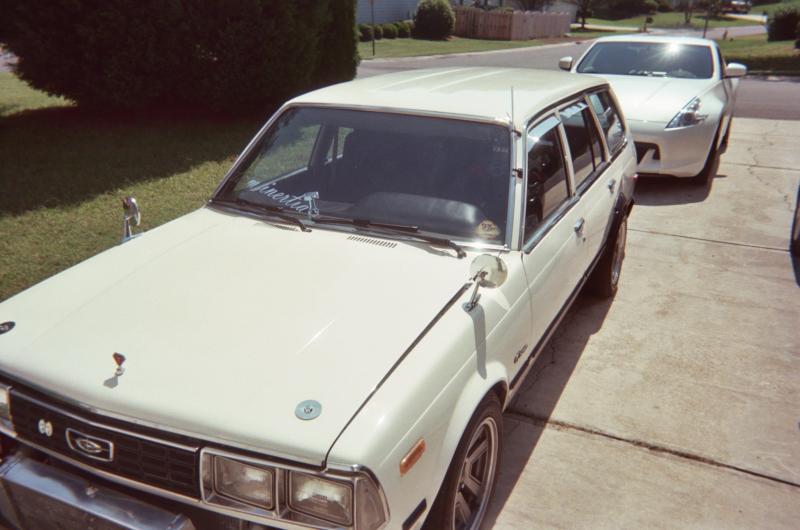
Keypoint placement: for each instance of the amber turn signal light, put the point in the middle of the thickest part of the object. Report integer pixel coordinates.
(412, 457)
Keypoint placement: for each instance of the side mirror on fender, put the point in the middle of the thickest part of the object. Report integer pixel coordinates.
(486, 271)
(565, 63)
(735, 70)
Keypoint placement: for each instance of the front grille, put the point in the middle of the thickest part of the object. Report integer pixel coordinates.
(643, 147)
(148, 461)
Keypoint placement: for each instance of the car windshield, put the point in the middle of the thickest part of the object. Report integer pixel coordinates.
(661, 59)
(445, 176)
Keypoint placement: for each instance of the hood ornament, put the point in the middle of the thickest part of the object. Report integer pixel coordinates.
(308, 409)
(120, 360)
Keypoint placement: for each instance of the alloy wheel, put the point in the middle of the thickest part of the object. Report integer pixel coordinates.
(477, 477)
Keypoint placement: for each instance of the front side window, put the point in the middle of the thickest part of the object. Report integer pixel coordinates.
(585, 148)
(609, 118)
(443, 176)
(659, 59)
(547, 176)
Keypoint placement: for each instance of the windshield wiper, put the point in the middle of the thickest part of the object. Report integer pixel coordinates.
(251, 207)
(395, 228)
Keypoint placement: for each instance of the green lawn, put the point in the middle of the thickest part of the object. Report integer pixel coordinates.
(670, 20)
(63, 172)
(762, 56)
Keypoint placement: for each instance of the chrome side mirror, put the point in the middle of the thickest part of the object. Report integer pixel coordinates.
(565, 63)
(131, 217)
(486, 271)
(735, 70)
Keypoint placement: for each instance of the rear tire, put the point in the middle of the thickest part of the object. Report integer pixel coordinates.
(605, 278)
(469, 483)
(711, 165)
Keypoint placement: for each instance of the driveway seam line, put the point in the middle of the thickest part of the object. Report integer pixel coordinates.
(731, 243)
(761, 167)
(684, 455)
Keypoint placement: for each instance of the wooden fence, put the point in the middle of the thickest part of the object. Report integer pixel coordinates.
(504, 25)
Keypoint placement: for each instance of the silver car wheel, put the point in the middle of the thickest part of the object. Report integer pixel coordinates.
(619, 251)
(477, 477)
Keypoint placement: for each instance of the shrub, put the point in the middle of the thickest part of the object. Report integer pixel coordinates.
(434, 19)
(137, 54)
(619, 9)
(783, 24)
(797, 34)
(403, 29)
(389, 31)
(377, 29)
(365, 32)
(664, 6)
(650, 6)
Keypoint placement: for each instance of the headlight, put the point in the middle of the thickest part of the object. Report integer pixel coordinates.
(688, 115)
(5, 407)
(321, 498)
(244, 483)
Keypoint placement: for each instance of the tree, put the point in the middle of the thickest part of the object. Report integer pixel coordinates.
(534, 5)
(584, 10)
(687, 6)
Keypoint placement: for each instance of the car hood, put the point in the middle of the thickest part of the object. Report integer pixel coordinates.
(655, 99)
(227, 323)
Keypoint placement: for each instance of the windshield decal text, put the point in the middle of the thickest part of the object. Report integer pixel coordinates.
(295, 202)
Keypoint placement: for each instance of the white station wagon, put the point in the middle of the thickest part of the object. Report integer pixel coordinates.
(331, 340)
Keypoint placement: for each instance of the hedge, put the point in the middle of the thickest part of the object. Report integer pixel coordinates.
(434, 19)
(146, 54)
(783, 24)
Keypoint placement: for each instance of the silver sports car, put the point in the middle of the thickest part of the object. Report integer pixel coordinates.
(677, 95)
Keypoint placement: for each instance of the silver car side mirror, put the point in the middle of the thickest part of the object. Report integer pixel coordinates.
(565, 63)
(486, 271)
(735, 70)
(131, 217)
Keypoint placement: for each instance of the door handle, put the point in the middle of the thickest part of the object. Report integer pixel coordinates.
(611, 185)
(579, 226)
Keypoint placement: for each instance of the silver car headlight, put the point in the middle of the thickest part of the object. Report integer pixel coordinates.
(244, 483)
(318, 497)
(688, 116)
(5, 407)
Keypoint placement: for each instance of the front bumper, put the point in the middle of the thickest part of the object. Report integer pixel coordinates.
(678, 152)
(36, 496)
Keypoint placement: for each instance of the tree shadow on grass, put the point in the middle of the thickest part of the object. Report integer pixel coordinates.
(62, 156)
(541, 391)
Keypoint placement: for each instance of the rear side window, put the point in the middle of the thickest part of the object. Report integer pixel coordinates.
(585, 148)
(547, 175)
(610, 120)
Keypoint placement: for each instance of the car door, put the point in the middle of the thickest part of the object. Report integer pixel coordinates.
(551, 244)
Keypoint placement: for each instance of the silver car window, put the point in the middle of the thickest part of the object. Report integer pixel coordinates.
(659, 59)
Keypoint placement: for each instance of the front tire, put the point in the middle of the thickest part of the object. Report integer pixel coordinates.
(711, 165)
(469, 483)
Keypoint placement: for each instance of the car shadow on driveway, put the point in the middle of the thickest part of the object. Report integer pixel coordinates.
(668, 191)
(541, 391)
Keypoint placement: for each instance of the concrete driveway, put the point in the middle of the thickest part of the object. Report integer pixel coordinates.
(677, 404)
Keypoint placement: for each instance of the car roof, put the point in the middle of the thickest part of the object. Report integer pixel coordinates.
(472, 93)
(657, 38)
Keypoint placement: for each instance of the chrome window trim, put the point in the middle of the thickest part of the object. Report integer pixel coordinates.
(95, 424)
(556, 215)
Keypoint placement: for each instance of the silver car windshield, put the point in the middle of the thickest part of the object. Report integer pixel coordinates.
(661, 59)
(444, 176)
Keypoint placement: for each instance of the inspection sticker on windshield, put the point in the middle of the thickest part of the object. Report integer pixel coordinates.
(487, 230)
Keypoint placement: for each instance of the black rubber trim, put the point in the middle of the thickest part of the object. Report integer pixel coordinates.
(415, 515)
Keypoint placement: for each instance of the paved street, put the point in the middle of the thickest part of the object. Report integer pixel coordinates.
(676, 405)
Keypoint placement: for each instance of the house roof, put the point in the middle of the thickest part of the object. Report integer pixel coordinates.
(481, 93)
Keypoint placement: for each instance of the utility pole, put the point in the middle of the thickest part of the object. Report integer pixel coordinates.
(372, 9)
